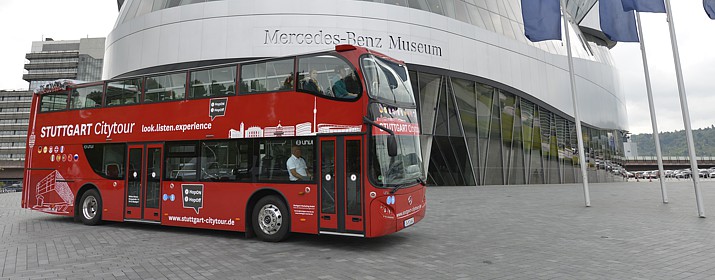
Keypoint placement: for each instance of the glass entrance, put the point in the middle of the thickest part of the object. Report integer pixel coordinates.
(341, 186)
(143, 182)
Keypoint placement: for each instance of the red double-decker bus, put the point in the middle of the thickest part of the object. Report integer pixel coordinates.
(321, 143)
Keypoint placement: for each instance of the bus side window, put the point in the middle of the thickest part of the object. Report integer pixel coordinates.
(86, 97)
(328, 75)
(181, 159)
(166, 87)
(274, 155)
(123, 92)
(245, 168)
(218, 160)
(53, 102)
(213, 82)
(106, 159)
(267, 76)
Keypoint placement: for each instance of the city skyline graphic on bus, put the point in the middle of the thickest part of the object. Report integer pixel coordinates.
(302, 129)
(53, 194)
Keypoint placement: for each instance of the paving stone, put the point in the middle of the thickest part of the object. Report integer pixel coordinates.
(492, 232)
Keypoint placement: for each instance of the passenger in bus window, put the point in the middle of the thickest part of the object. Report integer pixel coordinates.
(297, 169)
(339, 86)
(257, 85)
(352, 84)
(310, 83)
(288, 83)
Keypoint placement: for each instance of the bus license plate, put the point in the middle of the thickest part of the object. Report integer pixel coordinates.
(409, 222)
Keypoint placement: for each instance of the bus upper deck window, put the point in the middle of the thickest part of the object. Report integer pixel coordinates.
(53, 102)
(329, 76)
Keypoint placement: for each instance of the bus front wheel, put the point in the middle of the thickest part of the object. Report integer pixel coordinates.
(271, 220)
(90, 212)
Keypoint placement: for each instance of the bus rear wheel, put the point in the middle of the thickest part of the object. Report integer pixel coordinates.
(271, 220)
(90, 212)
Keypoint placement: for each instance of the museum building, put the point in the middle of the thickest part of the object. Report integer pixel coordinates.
(495, 108)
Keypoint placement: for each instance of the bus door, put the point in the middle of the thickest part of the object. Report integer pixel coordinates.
(143, 183)
(341, 186)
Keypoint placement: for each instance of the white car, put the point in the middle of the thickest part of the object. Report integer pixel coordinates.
(683, 174)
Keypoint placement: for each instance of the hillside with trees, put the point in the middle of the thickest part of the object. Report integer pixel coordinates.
(674, 143)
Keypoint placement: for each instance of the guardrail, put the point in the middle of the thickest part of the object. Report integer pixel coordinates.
(669, 162)
(671, 158)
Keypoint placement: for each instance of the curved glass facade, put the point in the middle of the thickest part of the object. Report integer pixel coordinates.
(480, 134)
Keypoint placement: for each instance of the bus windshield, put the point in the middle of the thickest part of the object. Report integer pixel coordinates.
(387, 81)
(405, 168)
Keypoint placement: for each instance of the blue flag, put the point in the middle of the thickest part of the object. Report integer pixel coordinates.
(648, 6)
(542, 19)
(709, 8)
(618, 25)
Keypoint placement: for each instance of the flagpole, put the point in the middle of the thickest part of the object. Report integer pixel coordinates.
(579, 134)
(686, 114)
(656, 137)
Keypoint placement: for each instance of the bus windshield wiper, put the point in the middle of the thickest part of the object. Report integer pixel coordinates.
(419, 180)
(400, 186)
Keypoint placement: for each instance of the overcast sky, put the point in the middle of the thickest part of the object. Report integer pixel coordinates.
(694, 31)
(24, 21)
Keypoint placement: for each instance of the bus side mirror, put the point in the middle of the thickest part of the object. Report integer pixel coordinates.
(391, 145)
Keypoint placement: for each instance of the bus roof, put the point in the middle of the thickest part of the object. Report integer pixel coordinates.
(66, 84)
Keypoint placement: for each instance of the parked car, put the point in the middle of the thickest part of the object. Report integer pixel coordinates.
(683, 174)
(616, 170)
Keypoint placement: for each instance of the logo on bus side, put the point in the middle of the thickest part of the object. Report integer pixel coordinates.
(217, 107)
(193, 196)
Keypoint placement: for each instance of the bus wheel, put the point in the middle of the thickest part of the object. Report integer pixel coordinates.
(271, 219)
(91, 204)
